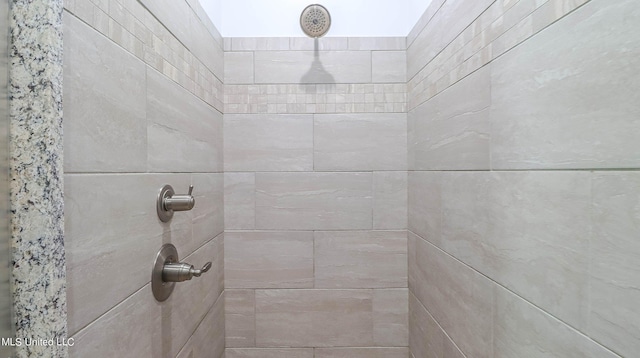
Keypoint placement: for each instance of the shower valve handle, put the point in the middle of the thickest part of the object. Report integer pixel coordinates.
(179, 271)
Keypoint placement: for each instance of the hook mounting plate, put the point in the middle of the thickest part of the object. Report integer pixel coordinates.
(166, 192)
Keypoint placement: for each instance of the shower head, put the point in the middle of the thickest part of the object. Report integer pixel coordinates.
(315, 20)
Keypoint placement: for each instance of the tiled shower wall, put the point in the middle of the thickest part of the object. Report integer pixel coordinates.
(142, 108)
(315, 198)
(524, 190)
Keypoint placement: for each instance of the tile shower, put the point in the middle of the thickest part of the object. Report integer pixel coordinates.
(467, 191)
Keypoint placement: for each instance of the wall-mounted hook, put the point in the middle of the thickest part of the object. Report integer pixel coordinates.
(168, 202)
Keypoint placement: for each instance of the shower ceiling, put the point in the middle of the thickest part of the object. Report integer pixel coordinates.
(280, 18)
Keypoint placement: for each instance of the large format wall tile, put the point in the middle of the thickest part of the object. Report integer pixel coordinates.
(566, 98)
(184, 133)
(238, 68)
(458, 298)
(104, 104)
(314, 318)
(523, 330)
(313, 67)
(239, 201)
(390, 200)
(208, 213)
(352, 142)
(240, 318)
(94, 243)
(208, 339)
(266, 259)
(390, 317)
(426, 339)
(257, 142)
(425, 206)
(614, 319)
(192, 300)
(136, 311)
(360, 259)
(313, 201)
(389, 66)
(451, 131)
(529, 231)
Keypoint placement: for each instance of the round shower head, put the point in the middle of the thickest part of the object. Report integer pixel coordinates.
(315, 20)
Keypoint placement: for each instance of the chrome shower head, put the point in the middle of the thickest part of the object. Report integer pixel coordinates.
(315, 20)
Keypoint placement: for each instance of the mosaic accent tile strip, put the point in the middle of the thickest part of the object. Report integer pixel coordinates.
(316, 98)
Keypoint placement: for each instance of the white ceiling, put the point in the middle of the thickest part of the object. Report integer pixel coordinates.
(280, 18)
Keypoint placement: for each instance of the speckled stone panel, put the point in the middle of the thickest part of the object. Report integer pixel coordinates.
(36, 175)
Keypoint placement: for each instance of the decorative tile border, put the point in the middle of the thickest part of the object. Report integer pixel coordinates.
(316, 98)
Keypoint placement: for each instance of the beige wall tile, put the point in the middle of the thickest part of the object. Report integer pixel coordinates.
(184, 133)
(239, 201)
(390, 317)
(580, 111)
(192, 300)
(309, 67)
(208, 213)
(208, 339)
(360, 259)
(452, 130)
(268, 142)
(259, 43)
(614, 289)
(378, 43)
(239, 318)
(321, 44)
(390, 200)
(371, 141)
(269, 353)
(389, 66)
(100, 231)
(537, 247)
(361, 353)
(314, 318)
(425, 204)
(269, 259)
(426, 339)
(138, 310)
(314, 201)
(104, 104)
(523, 330)
(458, 298)
(238, 67)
